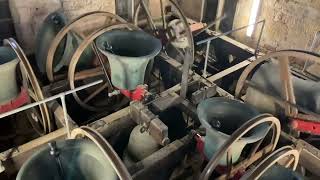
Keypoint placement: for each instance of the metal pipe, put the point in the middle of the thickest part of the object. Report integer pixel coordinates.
(259, 39)
(312, 48)
(65, 115)
(163, 15)
(49, 99)
(149, 16)
(228, 32)
(211, 24)
(204, 74)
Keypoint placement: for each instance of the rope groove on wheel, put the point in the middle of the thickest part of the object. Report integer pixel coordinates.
(105, 148)
(287, 85)
(272, 159)
(59, 37)
(34, 89)
(75, 59)
(245, 128)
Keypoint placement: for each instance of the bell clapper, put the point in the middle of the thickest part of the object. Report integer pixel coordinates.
(55, 153)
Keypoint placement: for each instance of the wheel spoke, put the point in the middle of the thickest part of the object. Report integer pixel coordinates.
(149, 17)
(164, 23)
(89, 73)
(287, 86)
(96, 51)
(95, 93)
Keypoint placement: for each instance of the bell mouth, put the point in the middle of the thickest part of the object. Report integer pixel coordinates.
(7, 55)
(226, 116)
(126, 43)
(80, 159)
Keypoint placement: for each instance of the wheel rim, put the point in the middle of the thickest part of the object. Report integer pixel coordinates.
(30, 82)
(287, 85)
(264, 118)
(64, 31)
(106, 149)
(72, 67)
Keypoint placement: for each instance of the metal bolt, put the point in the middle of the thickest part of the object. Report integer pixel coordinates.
(53, 149)
(165, 141)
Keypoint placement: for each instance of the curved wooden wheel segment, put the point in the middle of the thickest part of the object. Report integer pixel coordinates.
(72, 74)
(287, 153)
(106, 149)
(110, 19)
(44, 125)
(285, 75)
(273, 123)
(167, 31)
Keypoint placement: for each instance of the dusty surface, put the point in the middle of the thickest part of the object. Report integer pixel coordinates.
(290, 24)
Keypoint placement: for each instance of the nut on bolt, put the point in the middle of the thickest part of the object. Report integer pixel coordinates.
(165, 141)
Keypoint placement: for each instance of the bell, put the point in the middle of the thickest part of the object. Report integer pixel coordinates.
(51, 26)
(70, 159)
(140, 146)
(278, 172)
(267, 77)
(221, 117)
(129, 53)
(8, 63)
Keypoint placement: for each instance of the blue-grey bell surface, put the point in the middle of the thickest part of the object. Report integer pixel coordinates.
(51, 26)
(277, 172)
(129, 53)
(221, 117)
(267, 77)
(76, 159)
(8, 63)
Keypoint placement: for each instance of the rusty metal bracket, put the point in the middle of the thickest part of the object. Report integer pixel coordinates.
(164, 102)
(203, 93)
(150, 122)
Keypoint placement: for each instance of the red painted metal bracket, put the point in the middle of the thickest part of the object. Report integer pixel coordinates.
(22, 99)
(306, 126)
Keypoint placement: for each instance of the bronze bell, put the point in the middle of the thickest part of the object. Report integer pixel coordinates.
(8, 63)
(221, 117)
(129, 53)
(78, 159)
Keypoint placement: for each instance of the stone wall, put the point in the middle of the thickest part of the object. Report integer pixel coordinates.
(28, 15)
(290, 24)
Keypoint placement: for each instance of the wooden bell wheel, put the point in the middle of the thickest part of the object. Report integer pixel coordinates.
(73, 76)
(39, 117)
(171, 28)
(285, 76)
(73, 26)
(273, 123)
(106, 149)
(287, 152)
